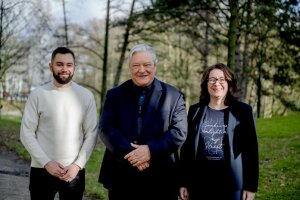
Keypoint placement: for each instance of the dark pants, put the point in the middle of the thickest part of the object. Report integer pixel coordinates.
(216, 195)
(45, 186)
(138, 193)
(143, 186)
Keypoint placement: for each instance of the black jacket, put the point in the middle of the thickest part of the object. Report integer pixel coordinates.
(164, 131)
(243, 147)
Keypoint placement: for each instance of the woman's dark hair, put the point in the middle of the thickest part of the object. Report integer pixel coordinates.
(229, 76)
(62, 50)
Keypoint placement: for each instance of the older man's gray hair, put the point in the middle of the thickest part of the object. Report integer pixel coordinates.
(142, 48)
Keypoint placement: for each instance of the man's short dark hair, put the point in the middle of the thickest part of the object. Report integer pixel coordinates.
(62, 50)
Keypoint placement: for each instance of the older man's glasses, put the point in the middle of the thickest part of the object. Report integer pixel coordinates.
(213, 80)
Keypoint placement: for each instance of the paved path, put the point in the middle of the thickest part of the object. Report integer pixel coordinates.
(14, 177)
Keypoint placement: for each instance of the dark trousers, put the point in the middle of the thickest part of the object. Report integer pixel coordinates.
(142, 188)
(216, 195)
(133, 193)
(45, 186)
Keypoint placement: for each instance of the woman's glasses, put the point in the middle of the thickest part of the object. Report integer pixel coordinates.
(213, 80)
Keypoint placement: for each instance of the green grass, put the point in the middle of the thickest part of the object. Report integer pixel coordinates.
(279, 149)
(9, 134)
(93, 187)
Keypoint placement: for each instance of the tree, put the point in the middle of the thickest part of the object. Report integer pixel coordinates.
(233, 24)
(12, 50)
(65, 23)
(128, 27)
(105, 57)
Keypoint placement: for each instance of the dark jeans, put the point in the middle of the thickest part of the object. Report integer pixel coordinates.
(44, 186)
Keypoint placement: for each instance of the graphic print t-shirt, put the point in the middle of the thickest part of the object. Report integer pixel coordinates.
(212, 135)
(213, 170)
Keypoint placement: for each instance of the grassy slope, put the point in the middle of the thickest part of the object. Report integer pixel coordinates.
(279, 147)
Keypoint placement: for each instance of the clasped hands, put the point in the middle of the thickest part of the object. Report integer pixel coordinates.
(67, 173)
(139, 157)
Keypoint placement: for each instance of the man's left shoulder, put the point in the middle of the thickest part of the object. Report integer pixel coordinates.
(169, 87)
(82, 90)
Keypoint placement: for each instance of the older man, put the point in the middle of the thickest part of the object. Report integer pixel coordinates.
(143, 124)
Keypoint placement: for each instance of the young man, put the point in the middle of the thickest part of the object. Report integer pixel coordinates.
(59, 130)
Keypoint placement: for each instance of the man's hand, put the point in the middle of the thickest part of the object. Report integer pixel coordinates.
(55, 168)
(143, 166)
(184, 194)
(71, 172)
(247, 195)
(139, 157)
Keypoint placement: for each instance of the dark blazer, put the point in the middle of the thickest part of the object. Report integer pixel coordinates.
(243, 147)
(164, 131)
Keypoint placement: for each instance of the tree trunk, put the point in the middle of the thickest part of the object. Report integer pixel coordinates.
(1, 35)
(125, 44)
(104, 69)
(206, 50)
(259, 89)
(66, 24)
(233, 23)
(245, 71)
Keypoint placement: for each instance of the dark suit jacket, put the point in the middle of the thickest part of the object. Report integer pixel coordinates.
(243, 147)
(164, 131)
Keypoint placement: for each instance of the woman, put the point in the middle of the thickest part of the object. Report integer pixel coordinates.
(219, 159)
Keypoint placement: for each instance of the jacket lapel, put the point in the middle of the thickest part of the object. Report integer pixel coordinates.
(230, 130)
(200, 114)
(154, 103)
(129, 104)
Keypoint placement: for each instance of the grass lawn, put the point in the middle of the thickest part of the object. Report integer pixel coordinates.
(279, 147)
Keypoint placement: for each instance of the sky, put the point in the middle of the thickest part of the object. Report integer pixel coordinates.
(79, 11)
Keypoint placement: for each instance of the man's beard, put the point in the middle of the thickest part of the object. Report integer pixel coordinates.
(62, 81)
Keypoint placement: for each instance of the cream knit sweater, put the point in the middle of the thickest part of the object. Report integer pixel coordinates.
(59, 124)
